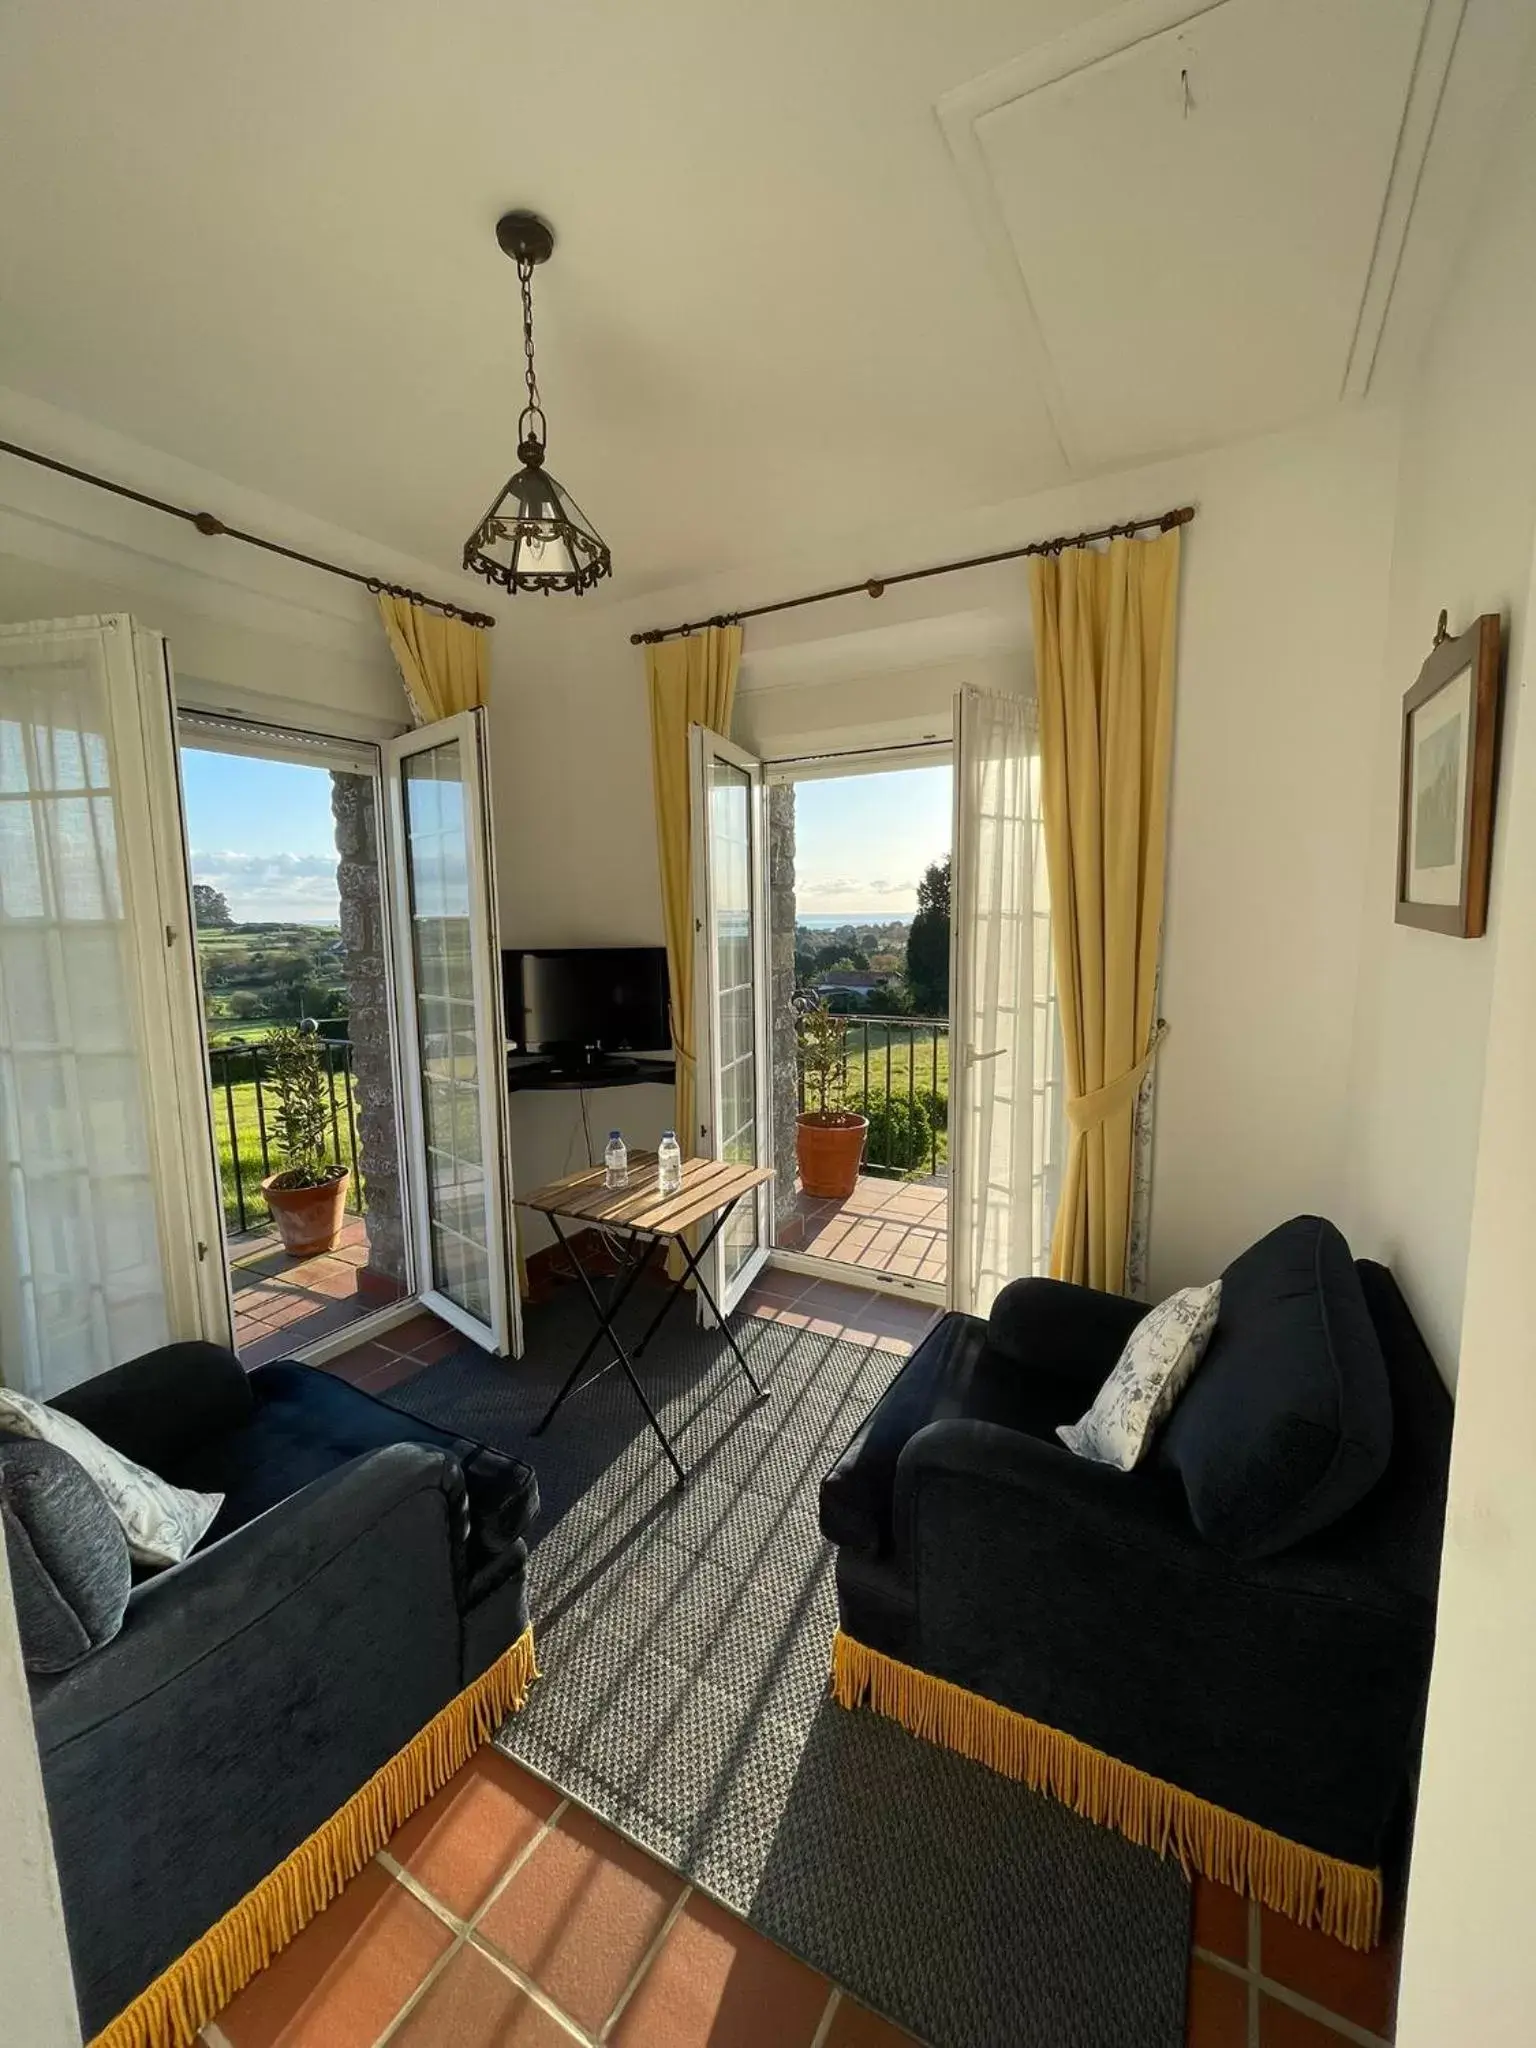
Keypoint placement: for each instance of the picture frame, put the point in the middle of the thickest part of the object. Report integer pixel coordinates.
(1449, 759)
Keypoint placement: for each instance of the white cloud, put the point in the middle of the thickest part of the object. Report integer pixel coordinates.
(854, 893)
(260, 888)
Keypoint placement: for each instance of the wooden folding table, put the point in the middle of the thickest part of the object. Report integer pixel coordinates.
(645, 1217)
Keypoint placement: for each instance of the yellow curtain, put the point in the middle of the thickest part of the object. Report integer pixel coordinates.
(1104, 656)
(692, 681)
(442, 660)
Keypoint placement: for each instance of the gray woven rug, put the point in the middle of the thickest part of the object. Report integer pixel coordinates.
(684, 1636)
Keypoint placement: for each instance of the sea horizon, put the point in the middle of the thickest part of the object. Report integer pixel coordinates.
(829, 920)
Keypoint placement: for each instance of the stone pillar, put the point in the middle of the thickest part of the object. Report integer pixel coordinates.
(781, 987)
(360, 879)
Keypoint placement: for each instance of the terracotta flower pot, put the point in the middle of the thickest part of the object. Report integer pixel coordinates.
(829, 1144)
(308, 1219)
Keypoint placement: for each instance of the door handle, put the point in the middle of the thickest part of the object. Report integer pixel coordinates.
(973, 1058)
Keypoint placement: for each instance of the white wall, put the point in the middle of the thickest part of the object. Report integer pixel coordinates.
(1466, 516)
(248, 631)
(1284, 597)
(1469, 1966)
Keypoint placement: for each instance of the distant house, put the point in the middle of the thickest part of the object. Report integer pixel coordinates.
(851, 981)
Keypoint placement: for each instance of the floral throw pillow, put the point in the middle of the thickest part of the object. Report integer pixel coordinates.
(1150, 1374)
(163, 1523)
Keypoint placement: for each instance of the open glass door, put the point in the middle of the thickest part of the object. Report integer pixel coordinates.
(730, 895)
(109, 1209)
(448, 979)
(993, 933)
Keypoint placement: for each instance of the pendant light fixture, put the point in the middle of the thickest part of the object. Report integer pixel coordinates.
(535, 536)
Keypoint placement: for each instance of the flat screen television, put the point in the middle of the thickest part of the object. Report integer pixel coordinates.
(585, 1005)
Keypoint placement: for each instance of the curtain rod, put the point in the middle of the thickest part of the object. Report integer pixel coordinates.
(876, 586)
(208, 523)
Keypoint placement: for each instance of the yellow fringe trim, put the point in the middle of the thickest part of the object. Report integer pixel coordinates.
(1342, 1899)
(169, 2012)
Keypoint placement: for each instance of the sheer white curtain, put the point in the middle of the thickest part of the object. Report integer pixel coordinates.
(81, 1272)
(1001, 1030)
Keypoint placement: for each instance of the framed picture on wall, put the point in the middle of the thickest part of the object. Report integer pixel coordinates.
(1445, 817)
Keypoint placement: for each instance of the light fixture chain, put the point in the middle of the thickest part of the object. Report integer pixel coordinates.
(534, 408)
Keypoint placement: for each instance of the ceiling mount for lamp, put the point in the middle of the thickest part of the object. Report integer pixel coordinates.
(535, 536)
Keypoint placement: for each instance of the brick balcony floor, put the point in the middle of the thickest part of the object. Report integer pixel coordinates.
(282, 1303)
(899, 1227)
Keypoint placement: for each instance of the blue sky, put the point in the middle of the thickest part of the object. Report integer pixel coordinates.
(863, 841)
(261, 832)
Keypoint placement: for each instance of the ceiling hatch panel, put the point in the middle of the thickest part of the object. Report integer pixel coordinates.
(1194, 217)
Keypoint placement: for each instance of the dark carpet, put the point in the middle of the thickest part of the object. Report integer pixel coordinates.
(684, 1636)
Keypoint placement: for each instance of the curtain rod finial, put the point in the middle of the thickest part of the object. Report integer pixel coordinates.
(1181, 515)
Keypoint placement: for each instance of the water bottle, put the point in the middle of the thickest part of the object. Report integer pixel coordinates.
(669, 1165)
(616, 1162)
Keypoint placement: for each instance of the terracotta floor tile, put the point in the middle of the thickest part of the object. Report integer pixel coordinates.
(461, 1841)
(356, 1364)
(1218, 2009)
(291, 1309)
(855, 2026)
(778, 1285)
(333, 1278)
(580, 1914)
(346, 1976)
(473, 2004)
(1281, 2026)
(1362, 1988)
(381, 1377)
(716, 1982)
(407, 1335)
(443, 1345)
(1220, 1921)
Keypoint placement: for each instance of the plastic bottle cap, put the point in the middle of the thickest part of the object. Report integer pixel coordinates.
(612, 1135)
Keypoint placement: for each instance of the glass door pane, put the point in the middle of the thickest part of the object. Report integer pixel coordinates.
(732, 990)
(453, 1033)
(104, 1218)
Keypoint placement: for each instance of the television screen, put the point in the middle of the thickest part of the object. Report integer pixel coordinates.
(611, 998)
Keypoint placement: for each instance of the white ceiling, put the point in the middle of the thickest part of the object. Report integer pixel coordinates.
(793, 298)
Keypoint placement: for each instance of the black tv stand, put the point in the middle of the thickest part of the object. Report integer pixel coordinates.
(599, 1071)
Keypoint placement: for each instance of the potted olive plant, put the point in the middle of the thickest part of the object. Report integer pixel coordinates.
(829, 1138)
(308, 1193)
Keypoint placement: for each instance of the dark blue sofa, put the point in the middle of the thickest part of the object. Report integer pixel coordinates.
(1247, 1619)
(363, 1569)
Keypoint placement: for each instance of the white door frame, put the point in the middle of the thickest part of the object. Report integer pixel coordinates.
(503, 1333)
(704, 748)
(835, 766)
(234, 733)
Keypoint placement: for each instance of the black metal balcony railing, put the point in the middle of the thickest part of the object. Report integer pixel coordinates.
(242, 1125)
(898, 1076)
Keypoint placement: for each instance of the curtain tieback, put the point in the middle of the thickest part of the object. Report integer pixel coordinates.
(1087, 1112)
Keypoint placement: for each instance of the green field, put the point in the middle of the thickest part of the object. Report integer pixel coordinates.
(257, 975)
(914, 1069)
(912, 1062)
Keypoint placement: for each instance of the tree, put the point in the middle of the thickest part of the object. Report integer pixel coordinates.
(928, 944)
(209, 908)
(849, 959)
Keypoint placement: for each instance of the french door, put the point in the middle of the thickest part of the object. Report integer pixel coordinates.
(453, 1040)
(996, 1037)
(109, 1203)
(730, 987)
